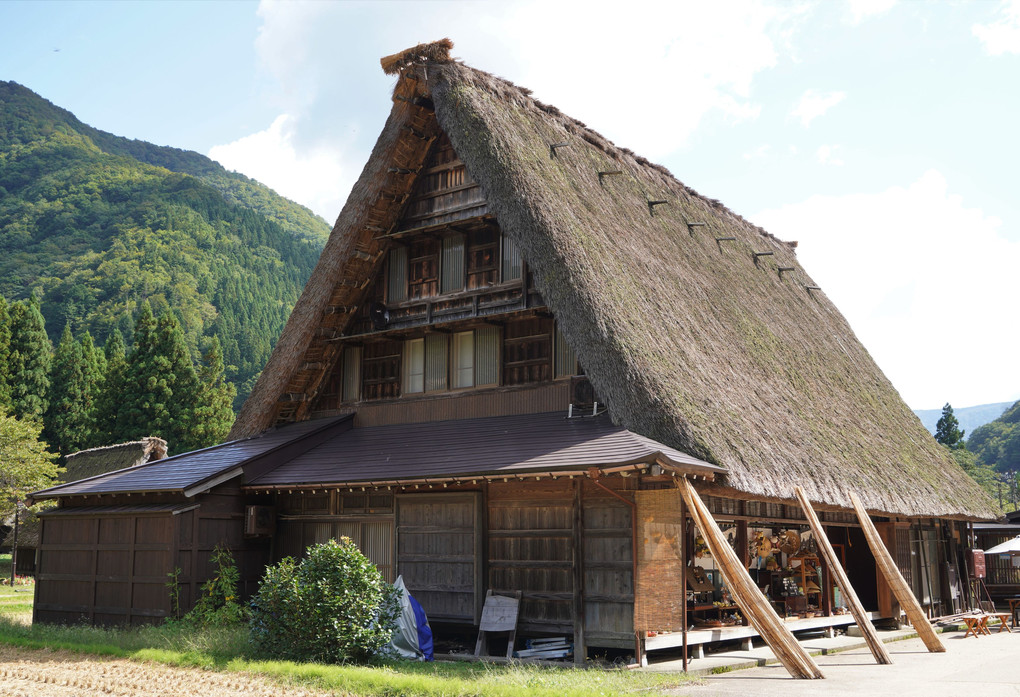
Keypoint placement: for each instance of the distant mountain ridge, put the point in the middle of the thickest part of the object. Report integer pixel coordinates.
(94, 223)
(970, 418)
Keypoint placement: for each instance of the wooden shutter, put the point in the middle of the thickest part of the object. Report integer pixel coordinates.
(396, 279)
(452, 264)
(487, 342)
(566, 359)
(436, 347)
(511, 260)
(352, 374)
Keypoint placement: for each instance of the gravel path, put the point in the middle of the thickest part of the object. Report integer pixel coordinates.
(45, 673)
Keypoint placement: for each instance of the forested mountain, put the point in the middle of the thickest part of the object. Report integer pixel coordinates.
(969, 417)
(997, 443)
(93, 224)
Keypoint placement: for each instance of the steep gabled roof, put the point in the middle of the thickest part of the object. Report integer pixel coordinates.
(697, 328)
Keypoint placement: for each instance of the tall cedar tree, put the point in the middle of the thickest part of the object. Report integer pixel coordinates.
(161, 387)
(95, 376)
(67, 420)
(30, 360)
(5, 354)
(947, 430)
(214, 413)
(111, 390)
(139, 407)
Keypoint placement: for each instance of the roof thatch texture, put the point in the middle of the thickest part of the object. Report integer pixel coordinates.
(690, 337)
(95, 461)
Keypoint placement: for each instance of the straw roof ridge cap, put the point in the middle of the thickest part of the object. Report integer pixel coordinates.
(144, 442)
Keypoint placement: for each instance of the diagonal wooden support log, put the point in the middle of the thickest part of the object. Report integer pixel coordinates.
(895, 580)
(836, 569)
(746, 594)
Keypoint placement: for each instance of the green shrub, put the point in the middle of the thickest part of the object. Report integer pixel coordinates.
(218, 604)
(331, 607)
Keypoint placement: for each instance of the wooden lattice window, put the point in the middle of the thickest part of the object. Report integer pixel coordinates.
(381, 370)
(527, 351)
(423, 268)
(482, 262)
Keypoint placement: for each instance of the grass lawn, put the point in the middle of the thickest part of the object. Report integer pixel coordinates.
(223, 649)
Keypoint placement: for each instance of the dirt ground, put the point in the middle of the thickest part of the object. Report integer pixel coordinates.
(44, 673)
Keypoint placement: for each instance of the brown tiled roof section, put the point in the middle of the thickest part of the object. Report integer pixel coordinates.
(547, 442)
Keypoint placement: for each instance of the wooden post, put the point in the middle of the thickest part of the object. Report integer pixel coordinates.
(746, 594)
(853, 602)
(895, 580)
(577, 610)
(684, 550)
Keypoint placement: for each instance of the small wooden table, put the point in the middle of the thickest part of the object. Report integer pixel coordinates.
(976, 625)
(1014, 606)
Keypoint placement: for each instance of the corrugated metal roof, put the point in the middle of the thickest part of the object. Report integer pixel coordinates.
(184, 471)
(509, 444)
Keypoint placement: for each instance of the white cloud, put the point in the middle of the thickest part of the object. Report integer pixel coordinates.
(316, 178)
(813, 104)
(861, 10)
(758, 153)
(919, 276)
(1003, 35)
(828, 155)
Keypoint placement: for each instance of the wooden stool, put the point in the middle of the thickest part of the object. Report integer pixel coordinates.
(976, 625)
(1003, 621)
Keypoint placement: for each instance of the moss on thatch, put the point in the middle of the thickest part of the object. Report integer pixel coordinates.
(95, 461)
(691, 340)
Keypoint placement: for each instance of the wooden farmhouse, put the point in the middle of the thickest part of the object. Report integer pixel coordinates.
(518, 344)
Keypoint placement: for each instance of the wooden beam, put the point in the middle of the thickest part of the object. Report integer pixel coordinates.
(832, 561)
(895, 580)
(746, 593)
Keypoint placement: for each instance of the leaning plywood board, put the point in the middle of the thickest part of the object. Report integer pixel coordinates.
(895, 580)
(853, 602)
(746, 594)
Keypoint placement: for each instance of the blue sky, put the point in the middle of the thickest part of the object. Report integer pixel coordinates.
(881, 135)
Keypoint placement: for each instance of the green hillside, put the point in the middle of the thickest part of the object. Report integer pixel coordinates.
(94, 223)
(997, 443)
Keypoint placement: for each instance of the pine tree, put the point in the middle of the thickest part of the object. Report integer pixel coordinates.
(160, 391)
(94, 367)
(214, 413)
(110, 391)
(142, 395)
(67, 419)
(947, 430)
(5, 354)
(182, 386)
(30, 360)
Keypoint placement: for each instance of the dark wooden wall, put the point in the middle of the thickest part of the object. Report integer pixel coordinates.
(104, 570)
(111, 565)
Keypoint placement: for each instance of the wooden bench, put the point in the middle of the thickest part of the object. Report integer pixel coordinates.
(1003, 618)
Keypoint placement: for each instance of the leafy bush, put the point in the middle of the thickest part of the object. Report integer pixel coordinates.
(218, 604)
(331, 607)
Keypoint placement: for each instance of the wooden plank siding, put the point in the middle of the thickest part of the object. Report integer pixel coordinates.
(109, 565)
(439, 553)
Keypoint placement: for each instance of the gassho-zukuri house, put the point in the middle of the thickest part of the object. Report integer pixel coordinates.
(519, 344)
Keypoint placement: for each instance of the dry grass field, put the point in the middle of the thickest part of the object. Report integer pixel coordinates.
(46, 673)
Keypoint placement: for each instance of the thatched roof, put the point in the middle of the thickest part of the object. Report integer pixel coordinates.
(95, 461)
(675, 306)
